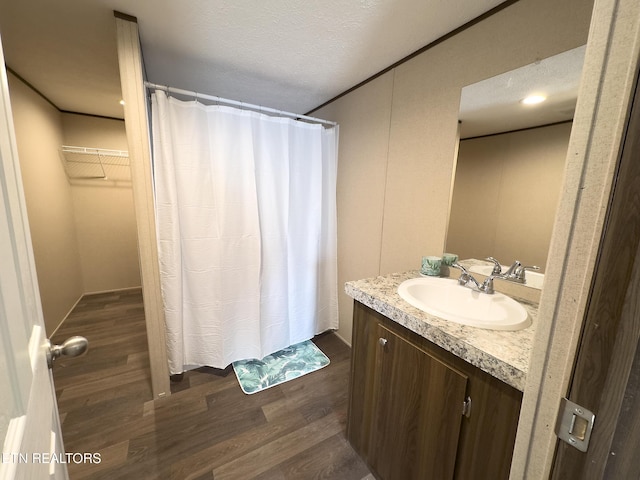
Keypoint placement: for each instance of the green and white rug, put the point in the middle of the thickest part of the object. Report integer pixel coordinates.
(292, 362)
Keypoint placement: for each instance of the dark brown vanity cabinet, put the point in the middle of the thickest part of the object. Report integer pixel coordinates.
(408, 399)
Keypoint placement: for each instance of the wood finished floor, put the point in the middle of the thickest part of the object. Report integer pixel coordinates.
(208, 428)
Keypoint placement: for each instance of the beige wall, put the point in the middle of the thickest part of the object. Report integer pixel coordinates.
(103, 210)
(398, 136)
(49, 202)
(83, 232)
(505, 195)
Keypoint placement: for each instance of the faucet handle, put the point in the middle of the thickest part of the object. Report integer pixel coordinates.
(458, 266)
(464, 274)
(497, 268)
(520, 271)
(487, 285)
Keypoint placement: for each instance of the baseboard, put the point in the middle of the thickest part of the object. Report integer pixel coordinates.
(341, 339)
(115, 290)
(66, 316)
(84, 295)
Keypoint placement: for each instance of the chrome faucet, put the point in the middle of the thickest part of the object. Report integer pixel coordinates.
(467, 280)
(510, 273)
(497, 268)
(519, 273)
(515, 273)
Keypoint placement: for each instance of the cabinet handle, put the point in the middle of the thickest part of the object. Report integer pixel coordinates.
(382, 341)
(466, 407)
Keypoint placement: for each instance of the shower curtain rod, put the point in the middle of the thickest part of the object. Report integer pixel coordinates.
(236, 103)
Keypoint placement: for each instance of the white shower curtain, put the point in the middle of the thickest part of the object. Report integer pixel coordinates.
(246, 219)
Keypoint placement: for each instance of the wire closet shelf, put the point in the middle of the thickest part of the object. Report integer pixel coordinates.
(86, 163)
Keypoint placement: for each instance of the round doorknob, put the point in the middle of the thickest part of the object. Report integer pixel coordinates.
(71, 347)
(382, 341)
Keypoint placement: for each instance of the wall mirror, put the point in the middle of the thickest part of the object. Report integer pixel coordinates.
(511, 159)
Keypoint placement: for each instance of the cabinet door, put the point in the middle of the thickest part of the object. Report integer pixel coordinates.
(417, 412)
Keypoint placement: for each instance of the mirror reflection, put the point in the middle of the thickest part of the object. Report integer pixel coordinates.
(511, 160)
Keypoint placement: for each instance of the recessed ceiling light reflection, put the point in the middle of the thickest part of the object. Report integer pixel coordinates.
(533, 99)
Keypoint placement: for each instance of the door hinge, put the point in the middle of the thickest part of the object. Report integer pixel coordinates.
(574, 424)
(466, 407)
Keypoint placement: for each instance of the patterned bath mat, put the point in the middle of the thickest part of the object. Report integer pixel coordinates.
(282, 366)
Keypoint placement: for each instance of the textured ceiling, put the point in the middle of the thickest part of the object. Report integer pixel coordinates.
(494, 105)
(285, 54)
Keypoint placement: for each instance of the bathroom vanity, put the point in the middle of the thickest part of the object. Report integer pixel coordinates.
(430, 398)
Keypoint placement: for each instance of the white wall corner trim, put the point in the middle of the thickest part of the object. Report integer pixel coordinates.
(137, 127)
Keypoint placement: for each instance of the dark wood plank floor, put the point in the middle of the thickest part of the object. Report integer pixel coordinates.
(208, 428)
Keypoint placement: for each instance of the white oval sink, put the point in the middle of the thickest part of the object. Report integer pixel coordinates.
(444, 298)
(534, 279)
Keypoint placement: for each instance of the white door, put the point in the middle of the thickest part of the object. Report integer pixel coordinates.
(29, 422)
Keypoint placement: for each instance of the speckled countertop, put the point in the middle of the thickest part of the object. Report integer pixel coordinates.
(502, 354)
